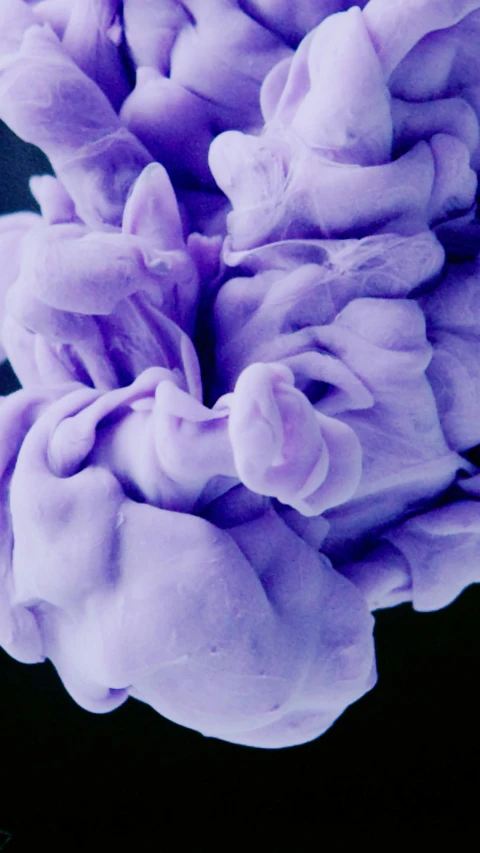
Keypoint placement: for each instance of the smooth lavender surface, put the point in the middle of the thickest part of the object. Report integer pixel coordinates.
(250, 365)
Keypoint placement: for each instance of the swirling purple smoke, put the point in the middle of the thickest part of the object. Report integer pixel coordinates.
(246, 322)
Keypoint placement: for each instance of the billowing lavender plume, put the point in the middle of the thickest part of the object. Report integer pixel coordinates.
(247, 325)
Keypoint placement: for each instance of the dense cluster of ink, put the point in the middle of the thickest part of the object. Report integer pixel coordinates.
(247, 327)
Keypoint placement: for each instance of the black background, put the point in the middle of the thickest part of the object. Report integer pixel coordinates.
(405, 757)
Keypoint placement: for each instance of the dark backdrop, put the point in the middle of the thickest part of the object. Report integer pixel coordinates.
(404, 757)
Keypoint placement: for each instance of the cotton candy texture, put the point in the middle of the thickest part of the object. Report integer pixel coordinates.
(245, 324)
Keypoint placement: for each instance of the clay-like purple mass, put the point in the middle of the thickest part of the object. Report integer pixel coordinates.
(250, 357)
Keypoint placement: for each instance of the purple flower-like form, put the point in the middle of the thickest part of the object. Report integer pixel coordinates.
(245, 321)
